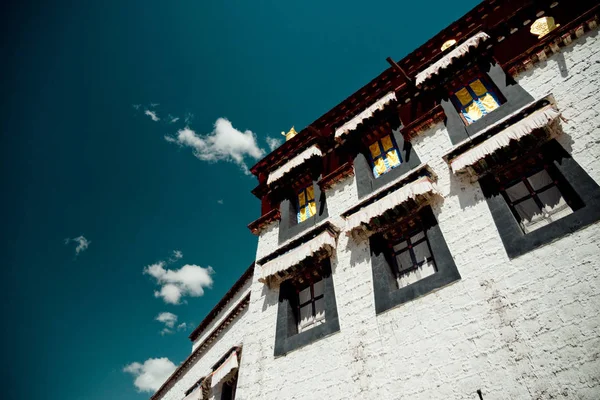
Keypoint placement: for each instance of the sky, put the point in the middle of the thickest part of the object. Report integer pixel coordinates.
(127, 130)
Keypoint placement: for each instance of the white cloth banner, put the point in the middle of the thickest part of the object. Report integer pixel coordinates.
(324, 240)
(312, 151)
(524, 127)
(225, 369)
(449, 58)
(368, 113)
(410, 191)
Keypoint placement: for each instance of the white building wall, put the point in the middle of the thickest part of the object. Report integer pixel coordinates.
(233, 335)
(527, 328)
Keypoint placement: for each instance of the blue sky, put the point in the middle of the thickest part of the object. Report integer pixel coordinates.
(91, 159)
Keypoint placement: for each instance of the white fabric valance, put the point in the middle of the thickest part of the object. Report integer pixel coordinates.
(226, 369)
(536, 120)
(421, 186)
(368, 113)
(195, 395)
(312, 151)
(449, 58)
(323, 241)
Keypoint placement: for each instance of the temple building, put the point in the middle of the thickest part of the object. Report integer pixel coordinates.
(433, 236)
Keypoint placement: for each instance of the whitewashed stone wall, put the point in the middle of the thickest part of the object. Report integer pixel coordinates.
(527, 328)
(233, 336)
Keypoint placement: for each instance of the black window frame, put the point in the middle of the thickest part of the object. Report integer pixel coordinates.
(387, 293)
(312, 301)
(580, 189)
(287, 337)
(466, 84)
(229, 388)
(410, 249)
(383, 153)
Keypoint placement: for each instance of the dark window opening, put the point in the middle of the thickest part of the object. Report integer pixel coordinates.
(310, 309)
(229, 388)
(412, 258)
(384, 155)
(476, 98)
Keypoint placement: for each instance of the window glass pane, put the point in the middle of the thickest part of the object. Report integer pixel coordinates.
(553, 201)
(318, 288)
(306, 317)
(473, 112)
(374, 149)
(517, 191)
(404, 261)
(393, 158)
(301, 198)
(311, 209)
(421, 252)
(301, 214)
(320, 309)
(386, 142)
(528, 210)
(417, 237)
(380, 167)
(310, 193)
(478, 88)
(400, 246)
(304, 295)
(463, 96)
(540, 180)
(489, 103)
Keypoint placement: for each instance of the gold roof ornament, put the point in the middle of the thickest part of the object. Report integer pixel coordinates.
(290, 134)
(448, 43)
(542, 26)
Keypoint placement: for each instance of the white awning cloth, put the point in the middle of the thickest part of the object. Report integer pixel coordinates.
(421, 186)
(536, 120)
(312, 151)
(323, 241)
(368, 113)
(449, 58)
(226, 369)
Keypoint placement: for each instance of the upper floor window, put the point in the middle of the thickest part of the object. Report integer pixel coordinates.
(384, 155)
(413, 258)
(536, 198)
(306, 204)
(311, 306)
(475, 99)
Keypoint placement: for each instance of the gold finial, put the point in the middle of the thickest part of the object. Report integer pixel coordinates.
(447, 44)
(290, 134)
(542, 26)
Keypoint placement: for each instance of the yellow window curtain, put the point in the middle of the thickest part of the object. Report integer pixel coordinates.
(386, 141)
(464, 96)
(374, 149)
(487, 100)
(393, 158)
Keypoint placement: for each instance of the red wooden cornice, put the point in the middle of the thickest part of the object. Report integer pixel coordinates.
(258, 225)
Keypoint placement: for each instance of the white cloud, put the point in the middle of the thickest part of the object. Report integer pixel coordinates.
(182, 326)
(153, 105)
(224, 143)
(189, 280)
(150, 375)
(172, 119)
(220, 201)
(82, 243)
(167, 318)
(136, 106)
(177, 255)
(152, 115)
(273, 142)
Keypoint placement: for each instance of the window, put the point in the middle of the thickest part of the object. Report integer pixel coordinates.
(384, 155)
(536, 199)
(306, 204)
(413, 259)
(228, 389)
(475, 100)
(410, 259)
(311, 306)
